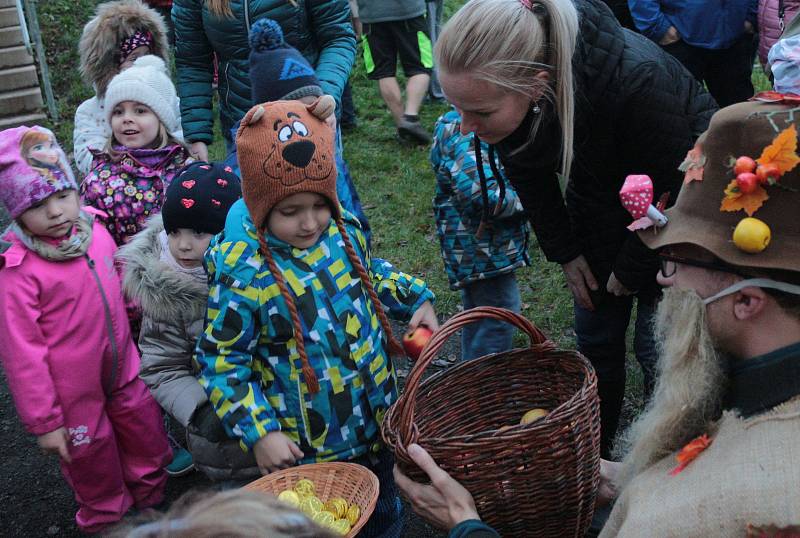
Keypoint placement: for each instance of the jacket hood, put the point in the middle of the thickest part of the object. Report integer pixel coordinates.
(163, 293)
(114, 22)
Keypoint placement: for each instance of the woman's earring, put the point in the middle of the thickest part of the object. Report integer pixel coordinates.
(535, 109)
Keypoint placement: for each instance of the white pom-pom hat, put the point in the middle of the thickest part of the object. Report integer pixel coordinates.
(146, 81)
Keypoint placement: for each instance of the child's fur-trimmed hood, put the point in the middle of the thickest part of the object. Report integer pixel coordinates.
(101, 38)
(163, 293)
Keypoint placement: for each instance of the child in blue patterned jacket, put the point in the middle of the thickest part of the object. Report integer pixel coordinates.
(482, 230)
(295, 355)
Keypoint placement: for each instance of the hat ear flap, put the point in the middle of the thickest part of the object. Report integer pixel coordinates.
(323, 107)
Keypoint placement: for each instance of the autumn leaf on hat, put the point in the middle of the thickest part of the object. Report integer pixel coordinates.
(736, 200)
(693, 164)
(782, 152)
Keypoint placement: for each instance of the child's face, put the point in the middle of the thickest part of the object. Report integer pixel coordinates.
(188, 246)
(300, 219)
(134, 125)
(135, 54)
(44, 152)
(52, 217)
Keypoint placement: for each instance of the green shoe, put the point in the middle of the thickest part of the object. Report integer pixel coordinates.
(181, 463)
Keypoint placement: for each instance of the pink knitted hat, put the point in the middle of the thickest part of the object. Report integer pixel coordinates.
(32, 167)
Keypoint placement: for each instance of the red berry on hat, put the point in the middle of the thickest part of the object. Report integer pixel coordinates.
(744, 164)
(747, 182)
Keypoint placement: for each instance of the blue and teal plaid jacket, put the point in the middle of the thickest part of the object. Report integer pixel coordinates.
(458, 207)
(248, 356)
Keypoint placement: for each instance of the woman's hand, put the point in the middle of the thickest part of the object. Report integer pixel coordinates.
(199, 151)
(615, 287)
(425, 316)
(580, 280)
(608, 476)
(445, 503)
(55, 442)
(275, 451)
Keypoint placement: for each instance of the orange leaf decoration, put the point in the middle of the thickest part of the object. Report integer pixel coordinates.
(782, 152)
(735, 200)
(693, 164)
(690, 452)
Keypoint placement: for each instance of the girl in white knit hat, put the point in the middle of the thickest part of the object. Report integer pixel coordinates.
(144, 152)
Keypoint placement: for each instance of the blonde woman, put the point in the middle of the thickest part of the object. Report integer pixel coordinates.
(572, 103)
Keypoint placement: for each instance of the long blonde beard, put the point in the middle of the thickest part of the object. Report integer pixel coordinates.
(688, 391)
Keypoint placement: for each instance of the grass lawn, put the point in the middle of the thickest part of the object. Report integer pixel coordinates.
(394, 181)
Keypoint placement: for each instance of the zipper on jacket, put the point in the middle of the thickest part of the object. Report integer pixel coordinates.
(109, 325)
(246, 4)
(303, 411)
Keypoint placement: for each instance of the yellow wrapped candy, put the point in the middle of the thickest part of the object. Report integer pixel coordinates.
(305, 487)
(289, 497)
(341, 527)
(310, 506)
(337, 506)
(353, 513)
(324, 518)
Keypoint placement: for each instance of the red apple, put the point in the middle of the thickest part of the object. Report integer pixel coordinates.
(747, 182)
(414, 341)
(765, 172)
(744, 164)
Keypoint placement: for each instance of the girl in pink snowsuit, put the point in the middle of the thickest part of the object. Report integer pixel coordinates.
(67, 351)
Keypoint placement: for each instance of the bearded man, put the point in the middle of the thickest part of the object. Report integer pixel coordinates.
(716, 451)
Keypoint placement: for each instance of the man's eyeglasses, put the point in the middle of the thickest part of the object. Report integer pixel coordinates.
(669, 265)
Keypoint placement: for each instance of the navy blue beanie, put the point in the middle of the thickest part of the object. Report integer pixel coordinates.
(199, 198)
(278, 72)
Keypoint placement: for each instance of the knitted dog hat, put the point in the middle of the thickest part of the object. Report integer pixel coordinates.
(277, 70)
(32, 167)
(146, 82)
(284, 150)
(199, 198)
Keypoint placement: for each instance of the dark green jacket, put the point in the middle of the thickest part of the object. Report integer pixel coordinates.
(319, 29)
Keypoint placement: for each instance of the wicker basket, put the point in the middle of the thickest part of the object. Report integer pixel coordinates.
(534, 480)
(354, 483)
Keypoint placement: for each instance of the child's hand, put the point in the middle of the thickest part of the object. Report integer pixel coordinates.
(275, 452)
(425, 316)
(55, 442)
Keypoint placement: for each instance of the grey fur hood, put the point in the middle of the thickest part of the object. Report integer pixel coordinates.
(163, 293)
(113, 22)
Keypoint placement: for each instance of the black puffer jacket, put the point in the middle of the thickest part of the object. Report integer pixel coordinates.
(637, 111)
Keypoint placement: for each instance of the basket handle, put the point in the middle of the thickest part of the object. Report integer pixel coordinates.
(405, 404)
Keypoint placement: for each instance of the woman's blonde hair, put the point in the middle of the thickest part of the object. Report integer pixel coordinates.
(505, 43)
(220, 8)
(233, 514)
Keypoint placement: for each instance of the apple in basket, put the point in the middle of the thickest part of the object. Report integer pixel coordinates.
(414, 341)
(533, 415)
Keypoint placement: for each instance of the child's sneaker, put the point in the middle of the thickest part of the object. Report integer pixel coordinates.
(181, 463)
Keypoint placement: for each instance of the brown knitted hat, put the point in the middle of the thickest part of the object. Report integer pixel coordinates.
(283, 150)
(744, 129)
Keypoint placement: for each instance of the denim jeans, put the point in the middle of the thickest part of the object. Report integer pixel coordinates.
(489, 335)
(601, 338)
(387, 519)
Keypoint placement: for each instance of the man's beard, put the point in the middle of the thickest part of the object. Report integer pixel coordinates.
(689, 388)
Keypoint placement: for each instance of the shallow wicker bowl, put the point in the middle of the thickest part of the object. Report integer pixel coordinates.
(354, 483)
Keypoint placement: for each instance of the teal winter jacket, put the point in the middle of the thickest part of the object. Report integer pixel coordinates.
(249, 363)
(319, 29)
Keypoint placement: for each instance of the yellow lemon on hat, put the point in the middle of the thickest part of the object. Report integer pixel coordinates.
(304, 487)
(353, 513)
(751, 235)
(289, 497)
(341, 527)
